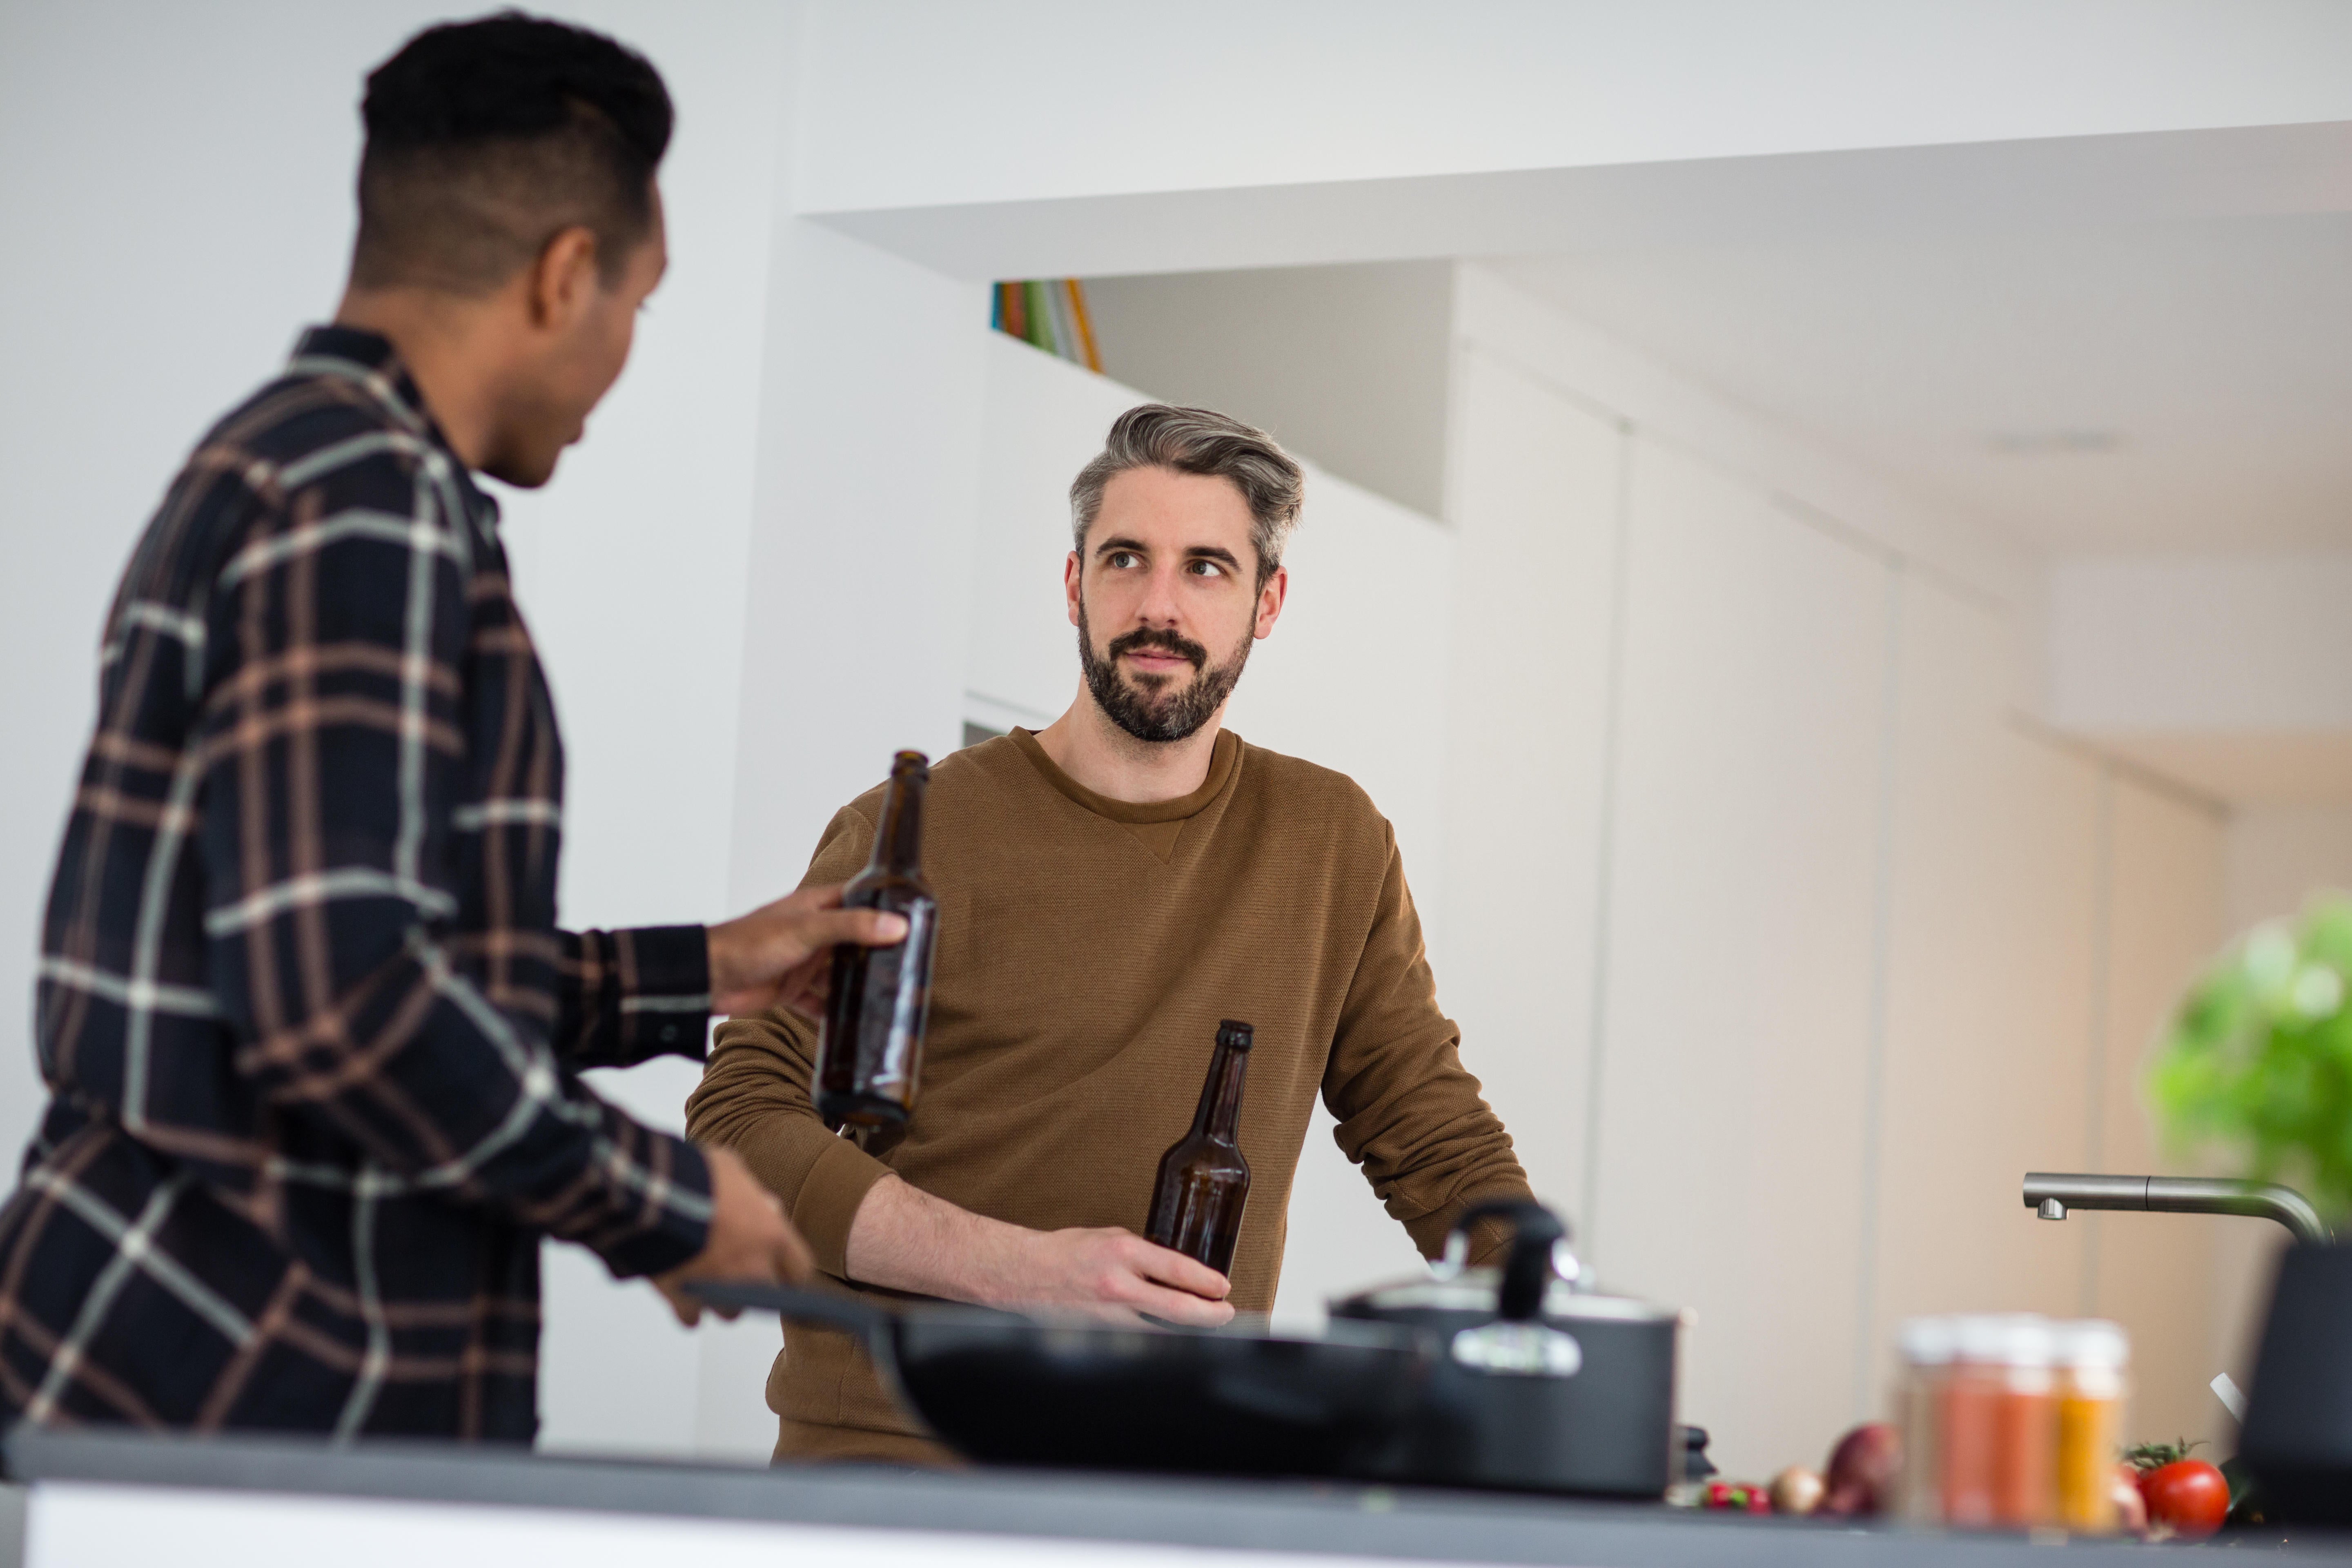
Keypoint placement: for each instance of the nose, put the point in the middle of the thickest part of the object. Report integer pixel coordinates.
(1160, 607)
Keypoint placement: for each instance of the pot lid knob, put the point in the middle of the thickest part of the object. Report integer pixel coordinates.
(1527, 1267)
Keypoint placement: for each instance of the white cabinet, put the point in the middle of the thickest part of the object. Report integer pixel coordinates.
(1993, 954)
(2156, 1273)
(1535, 501)
(1738, 1018)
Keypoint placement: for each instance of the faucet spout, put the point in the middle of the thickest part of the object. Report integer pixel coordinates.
(2052, 1193)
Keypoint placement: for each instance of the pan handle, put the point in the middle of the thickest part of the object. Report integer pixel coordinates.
(1526, 1270)
(866, 1320)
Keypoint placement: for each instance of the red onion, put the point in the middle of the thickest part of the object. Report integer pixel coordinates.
(1862, 1470)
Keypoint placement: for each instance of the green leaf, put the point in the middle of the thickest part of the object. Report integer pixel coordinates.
(2256, 1067)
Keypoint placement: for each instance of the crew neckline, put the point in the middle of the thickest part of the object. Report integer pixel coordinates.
(1223, 757)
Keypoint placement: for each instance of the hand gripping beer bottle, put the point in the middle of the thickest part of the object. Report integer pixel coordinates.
(1196, 1203)
(870, 1054)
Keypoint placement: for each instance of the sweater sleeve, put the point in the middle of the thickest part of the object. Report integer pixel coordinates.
(757, 1095)
(1409, 1113)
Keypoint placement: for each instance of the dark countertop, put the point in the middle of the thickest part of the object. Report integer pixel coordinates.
(1300, 1516)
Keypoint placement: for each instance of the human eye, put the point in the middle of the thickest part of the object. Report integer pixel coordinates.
(1207, 569)
(1120, 560)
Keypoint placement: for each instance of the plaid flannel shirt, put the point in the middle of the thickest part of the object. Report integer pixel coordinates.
(312, 1036)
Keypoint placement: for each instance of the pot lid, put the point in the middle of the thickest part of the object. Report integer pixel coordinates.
(1474, 1291)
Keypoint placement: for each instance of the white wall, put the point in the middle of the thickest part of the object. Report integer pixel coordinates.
(2278, 856)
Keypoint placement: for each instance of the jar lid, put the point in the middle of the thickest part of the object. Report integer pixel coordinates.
(2027, 1340)
(1928, 1341)
(1981, 1338)
(2093, 1344)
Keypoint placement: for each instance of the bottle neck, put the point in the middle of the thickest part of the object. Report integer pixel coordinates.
(1220, 1116)
(899, 837)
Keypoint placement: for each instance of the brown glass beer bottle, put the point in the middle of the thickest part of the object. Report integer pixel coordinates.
(1196, 1203)
(870, 1054)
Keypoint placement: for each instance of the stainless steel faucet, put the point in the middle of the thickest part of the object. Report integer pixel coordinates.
(2051, 1194)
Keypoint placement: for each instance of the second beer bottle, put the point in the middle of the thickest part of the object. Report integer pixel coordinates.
(1203, 1183)
(870, 1055)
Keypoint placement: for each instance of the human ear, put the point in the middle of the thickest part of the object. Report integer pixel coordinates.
(564, 278)
(1270, 600)
(1071, 573)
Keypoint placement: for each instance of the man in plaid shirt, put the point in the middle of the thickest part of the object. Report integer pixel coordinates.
(313, 1037)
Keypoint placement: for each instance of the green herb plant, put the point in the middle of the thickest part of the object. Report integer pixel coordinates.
(2258, 1063)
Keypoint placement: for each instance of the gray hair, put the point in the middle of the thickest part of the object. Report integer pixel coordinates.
(1198, 441)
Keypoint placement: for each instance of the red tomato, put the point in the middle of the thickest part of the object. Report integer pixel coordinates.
(2189, 1494)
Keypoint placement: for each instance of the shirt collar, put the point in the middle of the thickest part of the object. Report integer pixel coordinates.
(369, 358)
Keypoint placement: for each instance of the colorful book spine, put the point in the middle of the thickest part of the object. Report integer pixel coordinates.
(1040, 313)
(1048, 313)
(1065, 331)
(1084, 324)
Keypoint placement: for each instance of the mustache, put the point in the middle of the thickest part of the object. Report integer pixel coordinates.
(1181, 647)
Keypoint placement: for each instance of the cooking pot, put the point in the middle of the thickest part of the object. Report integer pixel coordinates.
(1550, 1387)
(1451, 1390)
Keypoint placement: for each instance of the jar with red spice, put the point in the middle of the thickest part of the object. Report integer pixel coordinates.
(2025, 1464)
(1968, 1434)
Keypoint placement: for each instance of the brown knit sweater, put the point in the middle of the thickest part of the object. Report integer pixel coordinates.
(1087, 948)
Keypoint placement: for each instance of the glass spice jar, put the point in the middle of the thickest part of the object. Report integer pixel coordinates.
(1927, 1345)
(2094, 1363)
(2024, 1491)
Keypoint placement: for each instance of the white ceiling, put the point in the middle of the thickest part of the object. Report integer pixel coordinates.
(1992, 369)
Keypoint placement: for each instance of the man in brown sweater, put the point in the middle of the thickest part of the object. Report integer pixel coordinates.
(1110, 887)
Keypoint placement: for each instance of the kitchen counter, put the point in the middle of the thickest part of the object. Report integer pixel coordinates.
(104, 1496)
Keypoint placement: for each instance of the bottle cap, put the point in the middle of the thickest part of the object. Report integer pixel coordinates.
(1980, 1338)
(2027, 1341)
(2093, 1344)
(1236, 1034)
(1928, 1341)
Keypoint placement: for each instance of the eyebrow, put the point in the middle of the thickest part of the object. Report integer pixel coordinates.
(1202, 552)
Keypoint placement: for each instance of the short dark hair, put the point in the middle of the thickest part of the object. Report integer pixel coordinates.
(485, 138)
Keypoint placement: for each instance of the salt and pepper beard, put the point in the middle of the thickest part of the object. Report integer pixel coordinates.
(1154, 713)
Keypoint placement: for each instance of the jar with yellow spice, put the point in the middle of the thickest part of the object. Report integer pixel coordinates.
(2093, 1366)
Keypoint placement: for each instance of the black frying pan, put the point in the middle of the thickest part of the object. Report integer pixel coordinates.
(1003, 1388)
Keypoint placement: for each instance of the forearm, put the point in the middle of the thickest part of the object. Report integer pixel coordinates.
(903, 1238)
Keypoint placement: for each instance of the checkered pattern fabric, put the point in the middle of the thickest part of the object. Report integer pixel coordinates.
(312, 1036)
